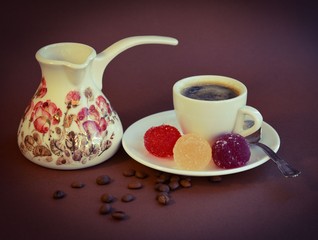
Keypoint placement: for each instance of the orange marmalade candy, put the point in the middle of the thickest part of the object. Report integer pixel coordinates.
(160, 140)
(192, 152)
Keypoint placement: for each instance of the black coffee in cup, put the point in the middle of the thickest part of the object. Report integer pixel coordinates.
(209, 92)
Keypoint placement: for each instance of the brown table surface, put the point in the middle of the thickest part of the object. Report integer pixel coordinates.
(270, 47)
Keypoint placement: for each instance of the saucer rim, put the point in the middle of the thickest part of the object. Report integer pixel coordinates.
(168, 117)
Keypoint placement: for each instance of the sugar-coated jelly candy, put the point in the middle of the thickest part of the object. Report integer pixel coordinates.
(230, 151)
(160, 140)
(192, 152)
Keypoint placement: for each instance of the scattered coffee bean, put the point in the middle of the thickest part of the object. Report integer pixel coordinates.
(173, 185)
(129, 173)
(215, 179)
(105, 208)
(103, 180)
(163, 198)
(163, 178)
(59, 194)
(128, 198)
(107, 198)
(161, 187)
(174, 178)
(119, 215)
(160, 180)
(141, 174)
(185, 183)
(186, 178)
(165, 183)
(77, 184)
(135, 185)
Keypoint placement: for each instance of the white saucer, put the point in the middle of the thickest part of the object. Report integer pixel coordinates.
(133, 143)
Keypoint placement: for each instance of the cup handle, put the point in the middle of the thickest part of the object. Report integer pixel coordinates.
(252, 114)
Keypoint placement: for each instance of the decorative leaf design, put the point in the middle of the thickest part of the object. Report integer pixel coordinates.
(29, 142)
(107, 144)
(71, 141)
(50, 135)
(37, 138)
(68, 120)
(62, 161)
(56, 147)
(77, 156)
(41, 151)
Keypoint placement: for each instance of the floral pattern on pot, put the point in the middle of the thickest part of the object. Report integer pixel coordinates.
(77, 135)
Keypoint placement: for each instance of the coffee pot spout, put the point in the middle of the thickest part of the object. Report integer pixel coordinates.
(69, 123)
(103, 59)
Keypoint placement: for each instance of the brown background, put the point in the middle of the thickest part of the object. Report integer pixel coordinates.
(271, 47)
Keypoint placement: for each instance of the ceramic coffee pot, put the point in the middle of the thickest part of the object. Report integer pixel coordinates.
(69, 123)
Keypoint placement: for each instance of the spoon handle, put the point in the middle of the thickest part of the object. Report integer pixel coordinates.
(283, 166)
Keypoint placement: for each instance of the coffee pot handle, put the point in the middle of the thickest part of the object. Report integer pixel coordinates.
(103, 59)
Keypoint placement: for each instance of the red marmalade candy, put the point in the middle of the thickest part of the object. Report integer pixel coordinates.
(230, 151)
(160, 140)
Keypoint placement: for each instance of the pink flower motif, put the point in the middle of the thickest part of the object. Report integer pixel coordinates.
(42, 90)
(103, 124)
(93, 124)
(92, 129)
(103, 105)
(93, 113)
(42, 124)
(73, 98)
(82, 114)
(45, 114)
(89, 94)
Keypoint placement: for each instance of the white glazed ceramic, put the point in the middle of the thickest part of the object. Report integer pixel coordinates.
(133, 143)
(211, 118)
(69, 123)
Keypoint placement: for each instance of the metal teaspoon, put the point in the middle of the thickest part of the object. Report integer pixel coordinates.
(282, 165)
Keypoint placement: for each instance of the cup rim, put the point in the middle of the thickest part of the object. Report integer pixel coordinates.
(203, 78)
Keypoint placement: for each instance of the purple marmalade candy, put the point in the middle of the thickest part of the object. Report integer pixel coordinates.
(230, 151)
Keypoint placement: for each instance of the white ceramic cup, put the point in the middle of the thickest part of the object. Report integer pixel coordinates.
(210, 118)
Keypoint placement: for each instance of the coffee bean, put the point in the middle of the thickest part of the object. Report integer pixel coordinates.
(160, 180)
(129, 173)
(103, 180)
(59, 194)
(163, 198)
(161, 187)
(141, 174)
(135, 185)
(128, 198)
(105, 209)
(174, 178)
(173, 185)
(186, 178)
(77, 184)
(119, 215)
(107, 198)
(185, 183)
(215, 179)
(163, 178)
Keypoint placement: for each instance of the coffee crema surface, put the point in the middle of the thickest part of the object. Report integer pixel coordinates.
(209, 92)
